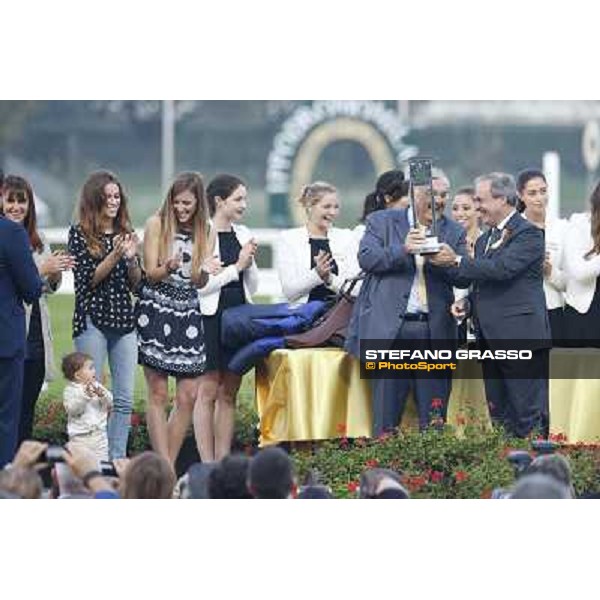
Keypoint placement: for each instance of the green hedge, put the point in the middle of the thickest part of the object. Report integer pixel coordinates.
(440, 463)
(51, 426)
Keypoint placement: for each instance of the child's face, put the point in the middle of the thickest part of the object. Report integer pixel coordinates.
(87, 373)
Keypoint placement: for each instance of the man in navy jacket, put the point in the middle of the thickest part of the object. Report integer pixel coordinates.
(19, 282)
(405, 300)
(509, 305)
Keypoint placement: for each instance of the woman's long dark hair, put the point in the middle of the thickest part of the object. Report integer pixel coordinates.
(523, 178)
(390, 183)
(17, 188)
(91, 205)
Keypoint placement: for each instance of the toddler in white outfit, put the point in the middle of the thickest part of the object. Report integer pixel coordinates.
(87, 403)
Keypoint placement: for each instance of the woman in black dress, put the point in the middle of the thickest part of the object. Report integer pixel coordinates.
(233, 284)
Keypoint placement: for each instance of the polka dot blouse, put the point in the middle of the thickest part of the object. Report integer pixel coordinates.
(109, 304)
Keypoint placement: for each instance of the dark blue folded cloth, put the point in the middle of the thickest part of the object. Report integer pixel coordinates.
(246, 323)
(243, 360)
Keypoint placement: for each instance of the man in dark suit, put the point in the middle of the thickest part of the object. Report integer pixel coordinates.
(19, 282)
(508, 305)
(404, 297)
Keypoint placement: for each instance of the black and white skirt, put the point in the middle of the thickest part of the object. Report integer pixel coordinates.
(169, 327)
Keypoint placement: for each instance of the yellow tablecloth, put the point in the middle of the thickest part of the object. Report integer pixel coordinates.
(316, 394)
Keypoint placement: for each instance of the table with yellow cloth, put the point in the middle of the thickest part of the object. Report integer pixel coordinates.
(317, 393)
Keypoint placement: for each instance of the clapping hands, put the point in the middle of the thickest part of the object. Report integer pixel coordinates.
(126, 245)
(56, 263)
(246, 255)
(323, 265)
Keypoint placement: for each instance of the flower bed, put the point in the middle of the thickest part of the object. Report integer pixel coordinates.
(439, 463)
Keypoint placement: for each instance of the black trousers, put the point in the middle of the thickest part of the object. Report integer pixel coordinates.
(11, 391)
(35, 371)
(389, 395)
(517, 393)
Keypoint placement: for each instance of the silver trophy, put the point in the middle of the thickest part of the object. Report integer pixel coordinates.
(420, 176)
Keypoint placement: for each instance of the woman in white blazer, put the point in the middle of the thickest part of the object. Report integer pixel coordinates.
(533, 194)
(582, 266)
(232, 284)
(312, 260)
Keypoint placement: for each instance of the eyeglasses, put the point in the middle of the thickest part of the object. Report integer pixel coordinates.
(441, 195)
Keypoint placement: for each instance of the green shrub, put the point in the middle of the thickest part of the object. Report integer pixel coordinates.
(437, 463)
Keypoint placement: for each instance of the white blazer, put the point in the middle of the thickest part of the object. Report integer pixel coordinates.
(293, 262)
(209, 294)
(556, 283)
(582, 274)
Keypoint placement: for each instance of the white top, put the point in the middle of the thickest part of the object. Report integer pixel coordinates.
(556, 283)
(86, 413)
(293, 262)
(581, 273)
(209, 295)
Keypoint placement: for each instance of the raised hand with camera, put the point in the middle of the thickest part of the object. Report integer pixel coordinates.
(84, 464)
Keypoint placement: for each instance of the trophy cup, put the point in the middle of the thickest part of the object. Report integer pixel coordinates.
(420, 176)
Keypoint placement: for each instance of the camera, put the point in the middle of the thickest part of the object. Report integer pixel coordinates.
(522, 459)
(53, 455)
(56, 454)
(107, 468)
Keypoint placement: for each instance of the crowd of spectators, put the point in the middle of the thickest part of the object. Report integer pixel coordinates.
(75, 472)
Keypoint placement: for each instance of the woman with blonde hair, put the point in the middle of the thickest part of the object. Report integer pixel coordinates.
(107, 271)
(312, 260)
(465, 213)
(169, 323)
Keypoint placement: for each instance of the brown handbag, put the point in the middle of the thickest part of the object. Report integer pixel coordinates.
(330, 328)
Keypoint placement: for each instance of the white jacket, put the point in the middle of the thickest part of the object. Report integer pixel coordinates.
(85, 414)
(554, 286)
(209, 294)
(293, 262)
(582, 274)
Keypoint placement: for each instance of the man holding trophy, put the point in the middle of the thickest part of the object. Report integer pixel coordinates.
(406, 300)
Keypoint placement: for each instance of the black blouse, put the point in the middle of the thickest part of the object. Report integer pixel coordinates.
(321, 292)
(109, 304)
(229, 250)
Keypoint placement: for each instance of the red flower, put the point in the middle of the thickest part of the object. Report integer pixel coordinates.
(353, 486)
(461, 476)
(415, 483)
(135, 420)
(344, 442)
(436, 476)
(436, 403)
(361, 442)
(341, 428)
(372, 463)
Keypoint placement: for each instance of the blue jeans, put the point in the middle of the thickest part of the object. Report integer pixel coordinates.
(122, 351)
